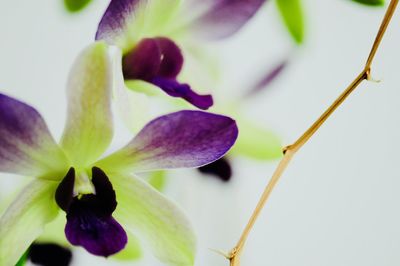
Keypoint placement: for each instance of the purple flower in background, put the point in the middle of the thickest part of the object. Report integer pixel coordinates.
(102, 198)
(48, 254)
(158, 61)
(148, 33)
(220, 169)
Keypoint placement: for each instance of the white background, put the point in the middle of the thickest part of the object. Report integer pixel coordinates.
(338, 202)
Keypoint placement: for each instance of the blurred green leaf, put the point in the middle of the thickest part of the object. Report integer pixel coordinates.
(75, 5)
(371, 2)
(256, 142)
(291, 12)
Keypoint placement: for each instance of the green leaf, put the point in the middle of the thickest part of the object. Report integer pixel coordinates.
(371, 2)
(291, 12)
(74, 6)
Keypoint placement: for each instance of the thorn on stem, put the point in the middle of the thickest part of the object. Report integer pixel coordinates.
(369, 76)
(285, 149)
(233, 253)
(220, 252)
(374, 80)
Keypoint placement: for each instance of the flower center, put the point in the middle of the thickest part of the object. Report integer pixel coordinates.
(83, 185)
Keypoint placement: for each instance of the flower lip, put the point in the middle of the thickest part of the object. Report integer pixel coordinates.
(172, 58)
(89, 216)
(183, 90)
(143, 61)
(99, 235)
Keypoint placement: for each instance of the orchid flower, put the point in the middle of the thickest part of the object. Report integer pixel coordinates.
(154, 35)
(101, 197)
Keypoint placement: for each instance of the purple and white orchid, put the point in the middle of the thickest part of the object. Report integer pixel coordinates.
(152, 33)
(101, 197)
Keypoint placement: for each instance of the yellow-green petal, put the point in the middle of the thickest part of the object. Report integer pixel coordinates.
(54, 231)
(89, 129)
(25, 219)
(144, 87)
(145, 212)
(157, 179)
(132, 250)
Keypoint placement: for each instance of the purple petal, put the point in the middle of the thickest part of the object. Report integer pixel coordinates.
(26, 145)
(268, 78)
(172, 58)
(143, 62)
(225, 18)
(101, 236)
(114, 19)
(177, 140)
(175, 89)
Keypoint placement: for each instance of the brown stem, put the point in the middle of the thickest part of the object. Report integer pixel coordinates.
(290, 150)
